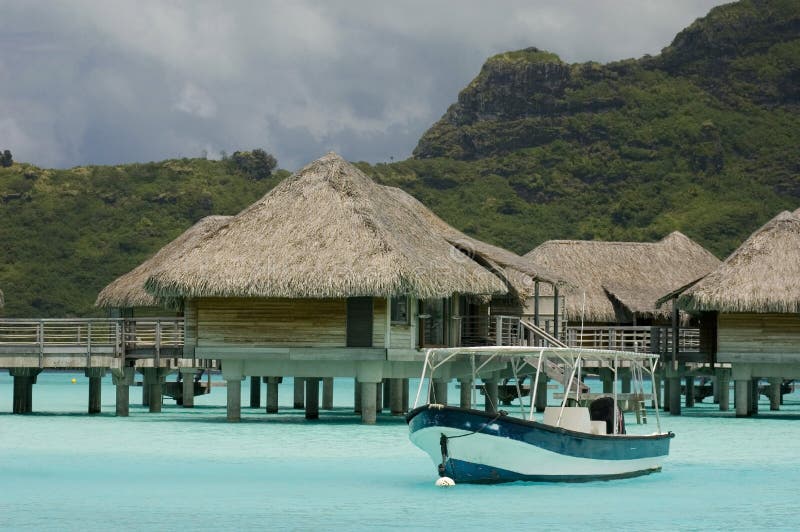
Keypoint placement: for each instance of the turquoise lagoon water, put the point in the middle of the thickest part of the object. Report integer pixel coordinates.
(61, 469)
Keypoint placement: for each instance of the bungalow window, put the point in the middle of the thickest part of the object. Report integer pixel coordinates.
(399, 310)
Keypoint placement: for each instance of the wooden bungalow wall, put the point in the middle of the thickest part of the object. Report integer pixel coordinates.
(748, 338)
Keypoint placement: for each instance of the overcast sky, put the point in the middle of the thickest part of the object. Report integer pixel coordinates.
(108, 82)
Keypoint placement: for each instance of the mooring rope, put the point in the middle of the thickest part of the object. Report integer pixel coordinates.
(443, 439)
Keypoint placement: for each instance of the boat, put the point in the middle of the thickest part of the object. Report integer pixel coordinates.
(583, 438)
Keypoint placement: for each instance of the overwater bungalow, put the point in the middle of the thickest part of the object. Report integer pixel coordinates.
(618, 283)
(748, 311)
(330, 275)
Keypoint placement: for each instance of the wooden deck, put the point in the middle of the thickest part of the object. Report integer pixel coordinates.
(89, 342)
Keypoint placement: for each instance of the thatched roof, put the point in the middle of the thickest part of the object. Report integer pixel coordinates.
(326, 231)
(762, 275)
(519, 272)
(627, 275)
(128, 291)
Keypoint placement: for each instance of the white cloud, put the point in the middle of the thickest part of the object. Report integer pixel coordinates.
(117, 81)
(196, 101)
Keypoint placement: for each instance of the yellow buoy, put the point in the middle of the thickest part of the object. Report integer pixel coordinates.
(74, 380)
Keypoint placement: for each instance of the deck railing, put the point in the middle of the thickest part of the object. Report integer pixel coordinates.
(117, 335)
(645, 339)
(482, 330)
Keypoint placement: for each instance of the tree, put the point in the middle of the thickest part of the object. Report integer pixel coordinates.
(256, 164)
(6, 159)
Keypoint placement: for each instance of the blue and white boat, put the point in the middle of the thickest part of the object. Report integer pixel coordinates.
(581, 439)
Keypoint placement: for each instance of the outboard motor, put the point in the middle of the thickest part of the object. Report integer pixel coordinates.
(602, 409)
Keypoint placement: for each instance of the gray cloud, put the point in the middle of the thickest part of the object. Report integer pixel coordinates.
(105, 82)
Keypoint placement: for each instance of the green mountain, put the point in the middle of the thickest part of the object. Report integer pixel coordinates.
(702, 138)
(65, 234)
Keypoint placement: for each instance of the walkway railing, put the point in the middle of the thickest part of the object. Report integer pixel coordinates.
(116, 336)
(483, 330)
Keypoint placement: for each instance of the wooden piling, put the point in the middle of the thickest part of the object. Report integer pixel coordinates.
(312, 398)
(405, 395)
(255, 392)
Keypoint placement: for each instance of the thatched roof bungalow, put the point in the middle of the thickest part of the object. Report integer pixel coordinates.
(128, 290)
(620, 282)
(323, 251)
(330, 274)
(748, 309)
(762, 275)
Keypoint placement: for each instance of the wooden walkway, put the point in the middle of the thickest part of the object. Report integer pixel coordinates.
(88, 342)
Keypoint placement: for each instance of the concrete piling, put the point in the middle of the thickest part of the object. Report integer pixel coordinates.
(369, 394)
(299, 392)
(465, 397)
(234, 406)
(396, 396)
(272, 394)
(775, 393)
(689, 391)
(327, 393)
(439, 391)
(356, 396)
(405, 395)
(187, 391)
(741, 397)
(490, 399)
(387, 394)
(675, 396)
(724, 386)
(123, 380)
(540, 402)
(379, 398)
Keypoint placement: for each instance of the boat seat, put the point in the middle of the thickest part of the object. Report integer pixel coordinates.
(574, 418)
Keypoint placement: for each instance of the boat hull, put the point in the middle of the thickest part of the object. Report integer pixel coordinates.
(482, 447)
